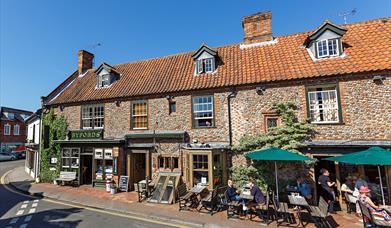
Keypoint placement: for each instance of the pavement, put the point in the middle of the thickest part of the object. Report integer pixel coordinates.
(124, 204)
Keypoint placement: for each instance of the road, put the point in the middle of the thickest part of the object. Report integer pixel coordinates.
(19, 210)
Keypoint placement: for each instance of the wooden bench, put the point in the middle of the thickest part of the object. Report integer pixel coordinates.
(369, 220)
(66, 177)
(183, 197)
(319, 213)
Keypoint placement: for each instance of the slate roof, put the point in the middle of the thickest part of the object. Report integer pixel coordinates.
(367, 47)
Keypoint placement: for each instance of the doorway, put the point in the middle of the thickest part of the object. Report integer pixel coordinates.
(331, 167)
(86, 169)
(139, 167)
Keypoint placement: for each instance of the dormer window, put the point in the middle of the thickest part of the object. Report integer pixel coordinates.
(104, 80)
(106, 75)
(327, 48)
(205, 65)
(205, 60)
(325, 41)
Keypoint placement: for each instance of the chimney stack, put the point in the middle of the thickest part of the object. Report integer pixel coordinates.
(84, 61)
(257, 27)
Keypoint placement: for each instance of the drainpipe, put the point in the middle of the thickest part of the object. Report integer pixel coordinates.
(40, 140)
(229, 97)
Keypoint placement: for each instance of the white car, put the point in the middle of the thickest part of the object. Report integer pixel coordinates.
(6, 156)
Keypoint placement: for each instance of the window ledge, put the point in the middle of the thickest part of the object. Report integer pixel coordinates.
(329, 123)
(212, 127)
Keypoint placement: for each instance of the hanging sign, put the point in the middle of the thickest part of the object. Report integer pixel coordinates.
(123, 183)
(85, 134)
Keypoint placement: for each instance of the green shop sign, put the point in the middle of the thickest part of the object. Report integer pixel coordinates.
(86, 134)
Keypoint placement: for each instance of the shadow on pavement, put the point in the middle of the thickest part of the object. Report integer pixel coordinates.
(48, 218)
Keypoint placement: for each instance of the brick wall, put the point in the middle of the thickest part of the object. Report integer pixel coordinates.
(365, 106)
(20, 139)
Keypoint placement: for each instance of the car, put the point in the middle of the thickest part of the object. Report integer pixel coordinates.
(7, 156)
(19, 154)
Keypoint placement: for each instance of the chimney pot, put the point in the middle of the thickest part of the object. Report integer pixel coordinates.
(257, 27)
(85, 61)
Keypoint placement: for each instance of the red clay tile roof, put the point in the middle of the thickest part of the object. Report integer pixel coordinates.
(367, 46)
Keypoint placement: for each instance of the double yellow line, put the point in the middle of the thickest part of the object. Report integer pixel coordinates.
(2, 181)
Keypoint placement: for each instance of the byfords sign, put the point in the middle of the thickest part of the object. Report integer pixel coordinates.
(85, 134)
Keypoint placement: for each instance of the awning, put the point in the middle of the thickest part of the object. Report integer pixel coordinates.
(20, 148)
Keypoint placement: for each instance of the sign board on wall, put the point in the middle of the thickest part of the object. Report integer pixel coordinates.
(85, 134)
(123, 183)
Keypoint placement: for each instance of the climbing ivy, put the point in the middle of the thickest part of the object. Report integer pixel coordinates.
(289, 136)
(57, 131)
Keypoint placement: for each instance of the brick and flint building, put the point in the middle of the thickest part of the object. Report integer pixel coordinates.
(182, 113)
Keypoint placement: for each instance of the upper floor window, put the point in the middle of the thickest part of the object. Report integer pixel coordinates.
(205, 65)
(172, 107)
(103, 80)
(7, 129)
(327, 48)
(92, 117)
(323, 105)
(205, 60)
(16, 129)
(203, 111)
(139, 115)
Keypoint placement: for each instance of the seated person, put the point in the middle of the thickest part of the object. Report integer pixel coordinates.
(259, 198)
(366, 201)
(348, 186)
(304, 188)
(231, 191)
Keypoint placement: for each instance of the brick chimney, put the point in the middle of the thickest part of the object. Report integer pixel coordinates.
(257, 27)
(84, 61)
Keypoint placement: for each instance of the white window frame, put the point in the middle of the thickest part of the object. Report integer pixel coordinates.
(7, 126)
(16, 129)
(93, 116)
(316, 107)
(201, 65)
(328, 42)
(204, 110)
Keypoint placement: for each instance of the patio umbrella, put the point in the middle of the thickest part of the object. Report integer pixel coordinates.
(276, 154)
(372, 156)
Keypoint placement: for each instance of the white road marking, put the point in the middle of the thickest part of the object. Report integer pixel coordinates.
(13, 221)
(8, 227)
(23, 225)
(35, 201)
(34, 205)
(20, 212)
(28, 218)
(23, 206)
(32, 210)
(26, 201)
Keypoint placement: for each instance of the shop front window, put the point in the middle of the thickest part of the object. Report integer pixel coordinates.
(105, 163)
(70, 158)
(200, 169)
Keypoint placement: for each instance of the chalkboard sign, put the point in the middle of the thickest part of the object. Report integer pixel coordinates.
(123, 183)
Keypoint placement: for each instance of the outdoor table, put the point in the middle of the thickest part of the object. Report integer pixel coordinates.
(246, 196)
(143, 184)
(197, 191)
(300, 202)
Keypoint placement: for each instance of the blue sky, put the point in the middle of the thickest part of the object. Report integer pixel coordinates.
(39, 39)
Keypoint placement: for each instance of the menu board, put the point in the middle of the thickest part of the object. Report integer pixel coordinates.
(123, 183)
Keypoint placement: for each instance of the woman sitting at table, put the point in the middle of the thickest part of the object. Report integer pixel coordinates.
(304, 188)
(231, 191)
(366, 201)
(259, 198)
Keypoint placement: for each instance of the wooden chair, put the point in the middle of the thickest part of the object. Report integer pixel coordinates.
(369, 220)
(350, 204)
(183, 197)
(210, 201)
(281, 211)
(233, 207)
(319, 213)
(263, 210)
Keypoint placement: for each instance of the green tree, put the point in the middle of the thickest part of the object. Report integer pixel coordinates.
(57, 131)
(289, 136)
